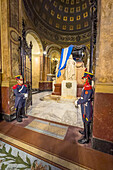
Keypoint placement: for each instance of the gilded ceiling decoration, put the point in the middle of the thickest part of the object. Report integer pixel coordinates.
(64, 21)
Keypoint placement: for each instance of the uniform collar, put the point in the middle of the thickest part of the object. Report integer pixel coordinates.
(87, 86)
(20, 84)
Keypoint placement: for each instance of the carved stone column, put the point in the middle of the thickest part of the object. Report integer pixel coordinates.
(48, 65)
(103, 101)
(41, 68)
(35, 71)
(43, 73)
(45, 78)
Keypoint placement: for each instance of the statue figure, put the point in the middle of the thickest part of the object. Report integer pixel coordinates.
(71, 69)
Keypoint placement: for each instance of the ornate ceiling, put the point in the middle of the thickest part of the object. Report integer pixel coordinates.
(64, 21)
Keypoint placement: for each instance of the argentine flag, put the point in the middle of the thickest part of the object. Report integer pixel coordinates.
(66, 52)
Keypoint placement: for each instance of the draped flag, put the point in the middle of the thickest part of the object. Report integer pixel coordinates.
(66, 52)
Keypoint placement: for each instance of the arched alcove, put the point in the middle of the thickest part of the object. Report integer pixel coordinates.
(53, 54)
(54, 60)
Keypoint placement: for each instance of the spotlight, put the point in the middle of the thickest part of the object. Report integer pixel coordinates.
(44, 52)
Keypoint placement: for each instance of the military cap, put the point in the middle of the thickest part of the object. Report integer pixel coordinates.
(19, 77)
(87, 75)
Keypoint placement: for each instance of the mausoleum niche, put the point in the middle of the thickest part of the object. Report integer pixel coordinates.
(55, 57)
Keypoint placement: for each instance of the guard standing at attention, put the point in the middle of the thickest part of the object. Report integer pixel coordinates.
(20, 92)
(86, 106)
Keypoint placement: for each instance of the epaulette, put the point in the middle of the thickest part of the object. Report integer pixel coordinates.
(15, 86)
(25, 85)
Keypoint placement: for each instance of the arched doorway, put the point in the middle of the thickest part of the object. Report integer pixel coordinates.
(37, 51)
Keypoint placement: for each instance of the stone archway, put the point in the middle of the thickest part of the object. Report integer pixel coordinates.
(37, 52)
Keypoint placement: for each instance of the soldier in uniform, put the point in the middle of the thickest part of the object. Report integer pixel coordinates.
(86, 106)
(20, 92)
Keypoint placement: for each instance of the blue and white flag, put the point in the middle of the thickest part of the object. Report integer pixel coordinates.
(66, 52)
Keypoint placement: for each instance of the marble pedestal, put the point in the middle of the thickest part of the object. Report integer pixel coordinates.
(57, 90)
(69, 88)
(50, 77)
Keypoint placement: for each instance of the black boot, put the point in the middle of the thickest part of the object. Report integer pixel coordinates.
(83, 132)
(86, 137)
(18, 118)
(23, 113)
(87, 131)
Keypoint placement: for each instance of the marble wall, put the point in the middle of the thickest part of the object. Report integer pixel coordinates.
(104, 74)
(103, 116)
(103, 99)
(0, 41)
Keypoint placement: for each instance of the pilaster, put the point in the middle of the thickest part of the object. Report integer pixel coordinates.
(10, 32)
(103, 101)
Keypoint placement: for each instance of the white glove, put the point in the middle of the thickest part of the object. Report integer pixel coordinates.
(25, 95)
(76, 105)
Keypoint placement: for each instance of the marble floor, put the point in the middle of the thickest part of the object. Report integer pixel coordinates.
(28, 149)
(62, 111)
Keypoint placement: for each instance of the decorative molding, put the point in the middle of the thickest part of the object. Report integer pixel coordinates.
(5, 84)
(104, 88)
(81, 38)
(8, 83)
(14, 35)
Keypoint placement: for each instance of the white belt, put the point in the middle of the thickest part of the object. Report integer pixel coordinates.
(21, 88)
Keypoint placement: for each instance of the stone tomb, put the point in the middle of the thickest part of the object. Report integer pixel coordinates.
(69, 88)
(69, 84)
